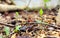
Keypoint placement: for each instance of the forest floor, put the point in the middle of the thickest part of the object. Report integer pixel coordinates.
(31, 24)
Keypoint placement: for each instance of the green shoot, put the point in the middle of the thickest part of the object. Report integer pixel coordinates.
(41, 12)
(17, 28)
(7, 30)
(17, 14)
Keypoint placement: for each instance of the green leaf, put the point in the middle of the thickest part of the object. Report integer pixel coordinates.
(41, 12)
(7, 30)
(17, 14)
(46, 1)
(17, 28)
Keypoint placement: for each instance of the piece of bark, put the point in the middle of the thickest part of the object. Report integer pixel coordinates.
(58, 18)
(4, 7)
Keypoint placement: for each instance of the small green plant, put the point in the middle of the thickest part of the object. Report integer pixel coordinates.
(41, 12)
(17, 28)
(17, 14)
(7, 30)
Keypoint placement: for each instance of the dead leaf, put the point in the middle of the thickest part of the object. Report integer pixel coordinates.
(58, 17)
(13, 36)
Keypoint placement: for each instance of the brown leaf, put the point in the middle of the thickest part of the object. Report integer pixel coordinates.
(13, 36)
(58, 17)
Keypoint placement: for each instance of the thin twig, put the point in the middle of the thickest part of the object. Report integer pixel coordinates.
(10, 25)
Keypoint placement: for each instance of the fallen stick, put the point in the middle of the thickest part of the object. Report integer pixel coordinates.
(10, 25)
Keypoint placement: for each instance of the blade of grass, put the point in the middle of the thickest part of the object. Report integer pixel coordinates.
(17, 16)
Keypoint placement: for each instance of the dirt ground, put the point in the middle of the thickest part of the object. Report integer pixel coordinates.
(30, 23)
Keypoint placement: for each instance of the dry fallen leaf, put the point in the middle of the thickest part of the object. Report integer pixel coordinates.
(55, 34)
(58, 17)
(13, 36)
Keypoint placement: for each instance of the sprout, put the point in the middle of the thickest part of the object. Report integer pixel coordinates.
(7, 30)
(17, 28)
(41, 12)
(17, 14)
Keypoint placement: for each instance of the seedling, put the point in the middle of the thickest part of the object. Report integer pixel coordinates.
(17, 14)
(7, 30)
(41, 12)
(17, 28)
